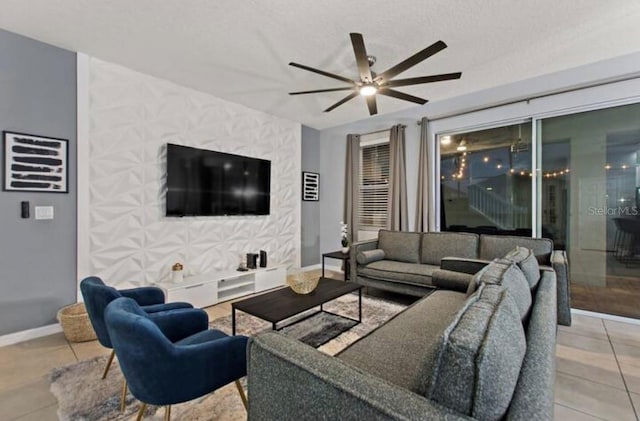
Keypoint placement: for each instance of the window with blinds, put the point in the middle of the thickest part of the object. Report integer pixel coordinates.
(374, 185)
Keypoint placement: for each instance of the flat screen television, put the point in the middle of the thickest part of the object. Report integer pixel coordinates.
(207, 183)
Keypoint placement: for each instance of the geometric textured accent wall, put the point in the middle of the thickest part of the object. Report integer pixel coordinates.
(132, 117)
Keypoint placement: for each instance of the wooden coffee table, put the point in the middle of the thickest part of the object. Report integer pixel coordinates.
(283, 303)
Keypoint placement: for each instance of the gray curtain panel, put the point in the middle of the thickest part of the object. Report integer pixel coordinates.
(352, 187)
(397, 217)
(422, 198)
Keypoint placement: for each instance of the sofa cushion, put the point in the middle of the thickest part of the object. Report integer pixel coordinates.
(400, 246)
(507, 274)
(389, 270)
(402, 350)
(479, 358)
(369, 256)
(526, 261)
(436, 245)
(475, 281)
(496, 246)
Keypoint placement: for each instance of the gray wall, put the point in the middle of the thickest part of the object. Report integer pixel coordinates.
(37, 258)
(333, 140)
(310, 241)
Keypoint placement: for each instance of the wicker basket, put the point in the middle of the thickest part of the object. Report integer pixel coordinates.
(303, 282)
(75, 323)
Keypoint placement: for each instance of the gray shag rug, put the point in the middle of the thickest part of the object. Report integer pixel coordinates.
(82, 395)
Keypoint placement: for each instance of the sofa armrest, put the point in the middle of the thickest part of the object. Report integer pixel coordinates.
(464, 265)
(353, 252)
(560, 265)
(291, 380)
(533, 397)
(450, 280)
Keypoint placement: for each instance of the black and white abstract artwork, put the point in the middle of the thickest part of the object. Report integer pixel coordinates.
(35, 163)
(310, 186)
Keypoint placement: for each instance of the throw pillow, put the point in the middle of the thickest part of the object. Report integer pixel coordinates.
(527, 262)
(479, 358)
(475, 281)
(369, 256)
(506, 273)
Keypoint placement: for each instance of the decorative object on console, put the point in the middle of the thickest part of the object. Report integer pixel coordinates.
(177, 275)
(310, 186)
(344, 237)
(252, 260)
(263, 259)
(303, 282)
(35, 163)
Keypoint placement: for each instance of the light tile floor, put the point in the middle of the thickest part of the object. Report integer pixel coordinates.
(598, 371)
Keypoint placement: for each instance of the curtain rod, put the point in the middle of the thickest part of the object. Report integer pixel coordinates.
(530, 98)
(380, 131)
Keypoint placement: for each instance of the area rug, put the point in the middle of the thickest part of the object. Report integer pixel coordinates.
(82, 395)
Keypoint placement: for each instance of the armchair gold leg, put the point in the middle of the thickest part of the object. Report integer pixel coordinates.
(143, 407)
(106, 369)
(167, 413)
(242, 395)
(123, 397)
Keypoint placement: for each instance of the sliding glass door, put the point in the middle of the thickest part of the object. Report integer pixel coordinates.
(590, 205)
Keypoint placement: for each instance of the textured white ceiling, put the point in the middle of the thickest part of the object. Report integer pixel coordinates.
(239, 50)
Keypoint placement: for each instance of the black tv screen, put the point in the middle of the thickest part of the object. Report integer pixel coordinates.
(208, 183)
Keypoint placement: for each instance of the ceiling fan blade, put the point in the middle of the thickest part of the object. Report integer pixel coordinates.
(361, 57)
(423, 79)
(411, 61)
(401, 95)
(322, 72)
(342, 101)
(371, 103)
(348, 88)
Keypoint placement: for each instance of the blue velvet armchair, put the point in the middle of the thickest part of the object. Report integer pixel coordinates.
(97, 296)
(161, 372)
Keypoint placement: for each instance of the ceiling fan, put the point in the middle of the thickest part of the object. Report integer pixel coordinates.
(371, 83)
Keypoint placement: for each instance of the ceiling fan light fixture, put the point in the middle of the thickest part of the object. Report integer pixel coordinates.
(368, 90)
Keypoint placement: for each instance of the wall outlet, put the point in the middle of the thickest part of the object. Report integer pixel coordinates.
(44, 212)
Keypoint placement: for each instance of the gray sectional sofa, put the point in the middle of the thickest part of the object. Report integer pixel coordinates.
(405, 262)
(487, 353)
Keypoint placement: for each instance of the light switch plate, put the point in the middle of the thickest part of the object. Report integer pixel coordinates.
(44, 212)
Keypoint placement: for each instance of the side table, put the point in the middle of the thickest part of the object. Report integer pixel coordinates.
(339, 256)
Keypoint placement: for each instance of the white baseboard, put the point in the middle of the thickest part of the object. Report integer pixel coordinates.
(25, 335)
(605, 316)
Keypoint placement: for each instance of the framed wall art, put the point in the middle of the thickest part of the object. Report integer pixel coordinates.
(310, 186)
(35, 163)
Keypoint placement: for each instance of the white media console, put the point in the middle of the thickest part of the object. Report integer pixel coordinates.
(211, 288)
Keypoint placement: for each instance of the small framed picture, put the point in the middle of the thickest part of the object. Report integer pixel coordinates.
(35, 163)
(310, 186)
